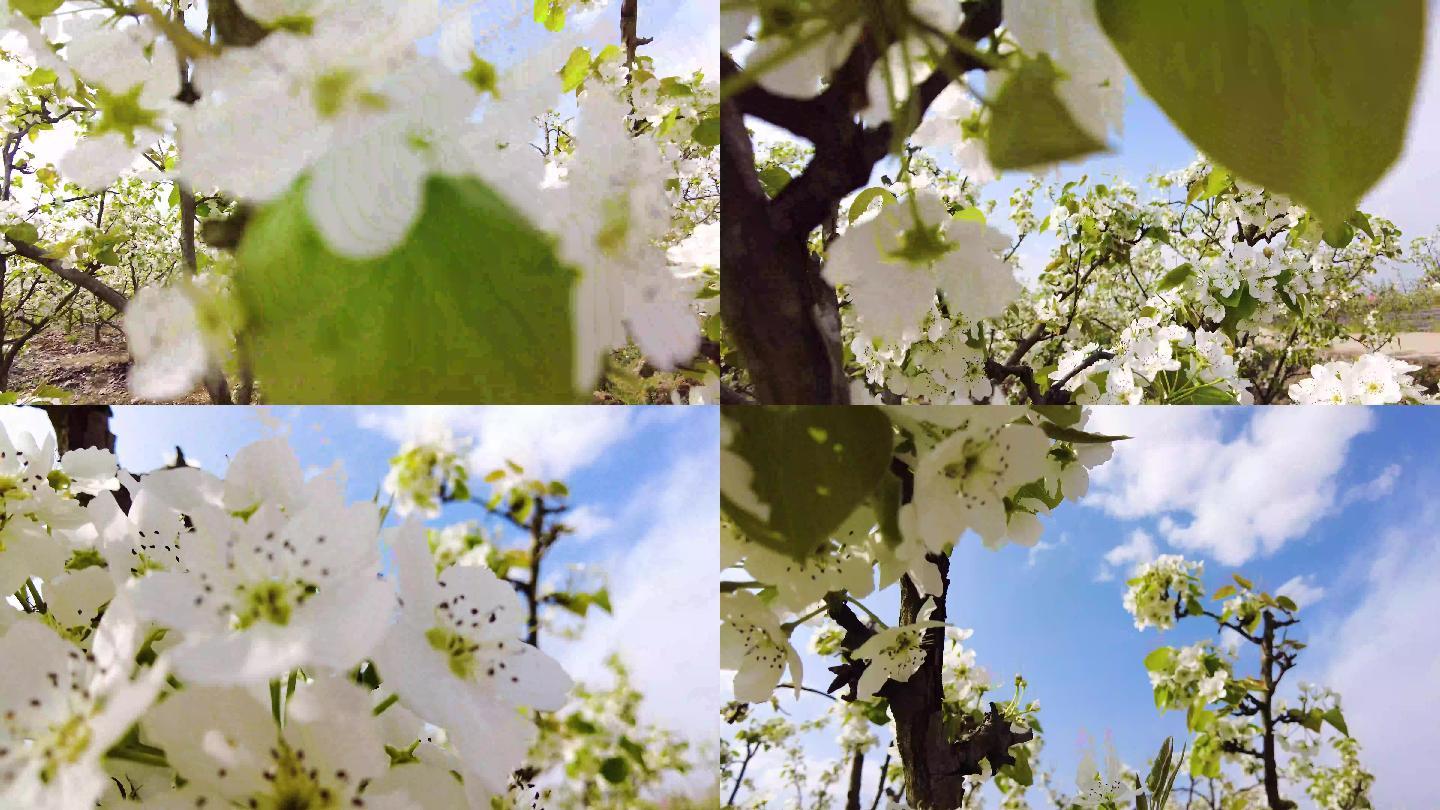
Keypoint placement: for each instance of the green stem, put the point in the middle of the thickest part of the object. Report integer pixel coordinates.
(789, 627)
(35, 594)
(385, 704)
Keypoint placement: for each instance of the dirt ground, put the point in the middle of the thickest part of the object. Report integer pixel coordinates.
(93, 373)
(1420, 348)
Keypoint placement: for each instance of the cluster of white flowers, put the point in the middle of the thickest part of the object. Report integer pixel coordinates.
(1146, 348)
(940, 367)
(426, 472)
(1197, 672)
(1159, 587)
(233, 642)
(1373, 379)
(989, 470)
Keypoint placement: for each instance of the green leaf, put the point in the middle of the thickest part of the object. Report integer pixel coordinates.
(1021, 770)
(576, 68)
(1204, 395)
(1030, 125)
(811, 466)
(1339, 235)
(615, 770)
(971, 214)
(1161, 658)
(1287, 603)
(1337, 720)
(42, 76)
(1243, 582)
(1062, 415)
(1158, 234)
(1225, 592)
(1074, 436)
(1156, 779)
(474, 306)
(35, 9)
(862, 201)
(1176, 277)
(1217, 182)
(707, 132)
(1283, 94)
(23, 232)
(550, 14)
(774, 179)
(1362, 222)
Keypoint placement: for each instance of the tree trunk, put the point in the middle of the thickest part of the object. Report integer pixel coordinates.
(781, 314)
(857, 776)
(81, 426)
(1271, 775)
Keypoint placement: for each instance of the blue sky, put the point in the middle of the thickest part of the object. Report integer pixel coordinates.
(1335, 497)
(685, 32)
(644, 480)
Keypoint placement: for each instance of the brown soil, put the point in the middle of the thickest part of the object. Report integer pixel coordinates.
(92, 372)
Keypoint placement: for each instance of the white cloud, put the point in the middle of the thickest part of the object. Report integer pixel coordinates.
(1385, 661)
(1131, 554)
(667, 606)
(1374, 489)
(1231, 499)
(1033, 556)
(588, 522)
(549, 442)
(1302, 589)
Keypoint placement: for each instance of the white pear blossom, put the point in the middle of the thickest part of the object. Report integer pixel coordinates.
(1114, 789)
(893, 654)
(962, 482)
(456, 659)
(613, 210)
(224, 742)
(755, 647)
(893, 262)
(266, 583)
(1093, 83)
(162, 329)
(1373, 379)
(63, 709)
(350, 104)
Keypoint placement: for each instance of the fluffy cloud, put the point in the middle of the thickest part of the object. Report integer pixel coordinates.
(1131, 554)
(1385, 660)
(1231, 497)
(1374, 489)
(1302, 590)
(550, 442)
(666, 603)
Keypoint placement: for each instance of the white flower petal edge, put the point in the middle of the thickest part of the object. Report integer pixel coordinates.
(456, 659)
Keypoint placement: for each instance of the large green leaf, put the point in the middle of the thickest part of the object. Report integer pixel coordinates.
(812, 466)
(474, 306)
(1030, 125)
(1309, 98)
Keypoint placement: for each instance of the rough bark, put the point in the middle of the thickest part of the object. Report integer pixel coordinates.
(81, 426)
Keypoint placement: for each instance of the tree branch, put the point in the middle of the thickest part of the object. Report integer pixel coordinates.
(79, 278)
